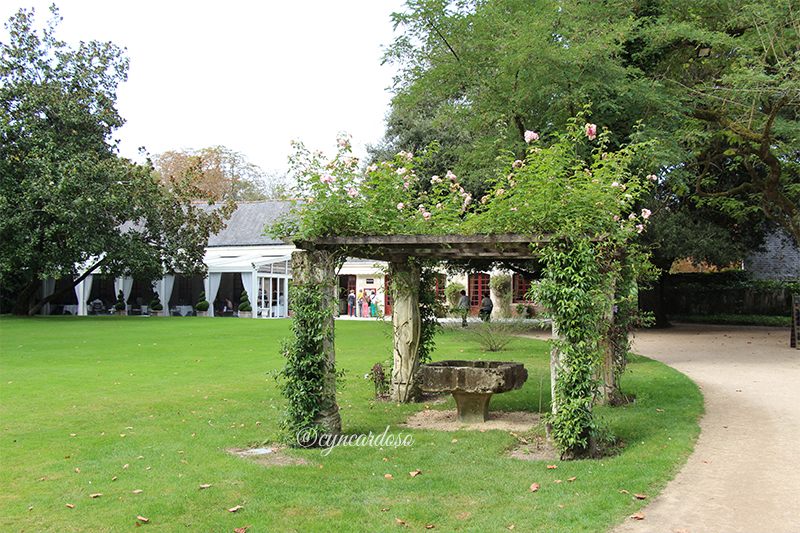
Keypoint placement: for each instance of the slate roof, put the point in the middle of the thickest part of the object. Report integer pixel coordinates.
(246, 225)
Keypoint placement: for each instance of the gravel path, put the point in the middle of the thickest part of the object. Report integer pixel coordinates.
(744, 475)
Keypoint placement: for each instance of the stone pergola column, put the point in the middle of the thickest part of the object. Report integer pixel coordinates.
(406, 325)
(317, 268)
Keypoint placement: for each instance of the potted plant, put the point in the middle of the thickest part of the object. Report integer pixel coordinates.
(245, 310)
(119, 305)
(202, 305)
(156, 309)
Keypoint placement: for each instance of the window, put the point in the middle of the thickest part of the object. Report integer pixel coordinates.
(520, 286)
(478, 286)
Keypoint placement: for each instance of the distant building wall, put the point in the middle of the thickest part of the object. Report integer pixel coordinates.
(780, 260)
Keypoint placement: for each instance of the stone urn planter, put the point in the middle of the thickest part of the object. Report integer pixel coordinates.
(153, 312)
(202, 313)
(245, 314)
(119, 313)
(472, 384)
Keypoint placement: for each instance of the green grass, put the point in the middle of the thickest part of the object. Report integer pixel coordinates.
(182, 390)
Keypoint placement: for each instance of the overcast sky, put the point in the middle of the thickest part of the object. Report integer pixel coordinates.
(249, 75)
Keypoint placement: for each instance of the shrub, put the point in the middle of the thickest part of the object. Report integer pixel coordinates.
(244, 303)
(494, 336)
(379, 378)
(120, 303)
(155, 305)
(202, 303)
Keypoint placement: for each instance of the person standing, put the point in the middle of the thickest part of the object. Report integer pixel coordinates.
(365, 306)
(351, 303)
(463, 308)
(359, 301)
(486, 308)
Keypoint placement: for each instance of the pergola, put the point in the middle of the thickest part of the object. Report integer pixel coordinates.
(315, 262)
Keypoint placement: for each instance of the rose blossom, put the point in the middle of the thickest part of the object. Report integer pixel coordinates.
(591, 131)
(531, 136)
(400, 205)
(646, 213)
(352, 192)
(326, 178)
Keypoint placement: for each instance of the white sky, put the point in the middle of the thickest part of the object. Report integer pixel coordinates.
(250, 75)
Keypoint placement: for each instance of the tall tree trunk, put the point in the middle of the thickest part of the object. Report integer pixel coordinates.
(406, 324)
(26, 298)
(318, 268)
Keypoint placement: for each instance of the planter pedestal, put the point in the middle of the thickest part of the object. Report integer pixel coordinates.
(245, 314)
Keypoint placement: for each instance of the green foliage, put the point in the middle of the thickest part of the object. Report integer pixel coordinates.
(119, 305)
(305, 380)
(155, 305)
(202, 304)
(244, 303)
(429, 309)
(68, 204)
(453, 292)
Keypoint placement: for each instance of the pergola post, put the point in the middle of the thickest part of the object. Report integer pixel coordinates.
(317, 268)
(406, 325)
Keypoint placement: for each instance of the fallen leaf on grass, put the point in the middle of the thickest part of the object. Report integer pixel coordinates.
(95, 495)
(572, 479)
(455, 440)
(40, 479)
(623, 491)
(558, 481)
(638, 516)
(205, 487)
(143, 519)
(534, 487)
(234, 509)
(126, 465)
(114, 478)
(70, 506)
(430, 526)
(241, 529)
(385, 509)
(641, 496)
(512, 526)
(551, 467)
(660, 410)
(412, 474)
(388, 476)
(137, 491)
(400, 522)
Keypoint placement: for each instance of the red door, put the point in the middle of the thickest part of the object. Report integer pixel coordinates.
(478, 286)
(387, 291)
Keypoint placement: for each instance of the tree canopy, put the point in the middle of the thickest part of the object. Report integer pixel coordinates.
(219, 172)
(715, 83)
(69, 205)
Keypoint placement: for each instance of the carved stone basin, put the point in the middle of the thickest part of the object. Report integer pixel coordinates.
(472, 384)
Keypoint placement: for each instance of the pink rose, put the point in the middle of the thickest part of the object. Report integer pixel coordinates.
(326, 178)
(352, 192)
(401, 205)
(639, 228)
(646, 213)
(591, 131)
(531, 136)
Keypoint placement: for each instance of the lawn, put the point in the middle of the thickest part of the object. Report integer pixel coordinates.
(141, 410)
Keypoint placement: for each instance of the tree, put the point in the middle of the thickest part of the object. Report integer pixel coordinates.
(69, 206)
(715, 83)
(219, 172)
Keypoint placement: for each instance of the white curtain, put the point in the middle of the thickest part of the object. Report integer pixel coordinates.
(82, 291)
(169, 282)
(214, 279)
(127, 286)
